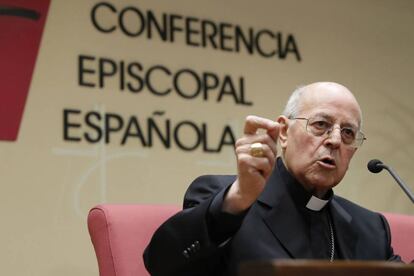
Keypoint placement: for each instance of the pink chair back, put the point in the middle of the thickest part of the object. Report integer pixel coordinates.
(120, 233)
(402, 231)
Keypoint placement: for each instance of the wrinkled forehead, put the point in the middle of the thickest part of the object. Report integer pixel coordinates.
(331, 101)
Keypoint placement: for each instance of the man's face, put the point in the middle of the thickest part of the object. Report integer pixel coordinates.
(320, 162)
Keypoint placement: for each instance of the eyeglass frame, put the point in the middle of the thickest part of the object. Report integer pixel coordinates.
(355, 144)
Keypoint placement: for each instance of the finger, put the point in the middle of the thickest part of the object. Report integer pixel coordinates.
(253, 123)
(252, 165)
(267, 151)
(265, 139)
(248, 164)
(269, 143)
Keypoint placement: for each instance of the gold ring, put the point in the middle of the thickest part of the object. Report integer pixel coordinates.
(256, 150)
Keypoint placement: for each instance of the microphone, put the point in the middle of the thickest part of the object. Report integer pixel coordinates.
(375, 166)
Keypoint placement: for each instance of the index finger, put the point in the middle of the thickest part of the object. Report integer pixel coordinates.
(253, 123)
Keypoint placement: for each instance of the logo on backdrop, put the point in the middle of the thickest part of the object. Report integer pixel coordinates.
(21, 28)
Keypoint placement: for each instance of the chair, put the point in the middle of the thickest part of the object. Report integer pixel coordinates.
(120, 233)
(402, 231)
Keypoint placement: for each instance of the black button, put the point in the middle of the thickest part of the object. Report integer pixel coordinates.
(197, 244)
(185, 253)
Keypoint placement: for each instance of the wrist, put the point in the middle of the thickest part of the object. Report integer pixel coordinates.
(235, 202)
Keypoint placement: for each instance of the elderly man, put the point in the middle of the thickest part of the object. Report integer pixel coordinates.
(277, 207)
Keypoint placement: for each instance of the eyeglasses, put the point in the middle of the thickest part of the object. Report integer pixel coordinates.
(321, 127)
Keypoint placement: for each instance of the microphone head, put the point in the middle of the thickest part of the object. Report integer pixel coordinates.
(374, 166)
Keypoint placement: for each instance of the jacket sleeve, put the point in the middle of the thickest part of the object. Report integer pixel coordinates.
(191, 242)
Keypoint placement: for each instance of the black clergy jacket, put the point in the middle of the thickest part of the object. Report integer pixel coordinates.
(202, 240)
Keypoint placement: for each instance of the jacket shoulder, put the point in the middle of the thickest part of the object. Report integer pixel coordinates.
(204, 187)
(354, 208)
(360, 214)
(364, 219)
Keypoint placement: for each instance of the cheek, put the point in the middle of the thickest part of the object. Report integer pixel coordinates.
(303, 152)
(310, 147)
(346, 159)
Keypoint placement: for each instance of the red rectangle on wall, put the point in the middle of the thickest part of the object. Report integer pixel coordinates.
(21, 27)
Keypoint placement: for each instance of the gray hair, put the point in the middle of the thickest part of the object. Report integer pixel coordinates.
(292, 106)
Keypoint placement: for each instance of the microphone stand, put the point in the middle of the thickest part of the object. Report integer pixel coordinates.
(399, 181)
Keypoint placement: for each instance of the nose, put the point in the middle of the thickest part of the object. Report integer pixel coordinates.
(334, 138)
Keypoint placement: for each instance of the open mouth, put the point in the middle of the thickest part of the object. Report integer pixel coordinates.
(328, 162)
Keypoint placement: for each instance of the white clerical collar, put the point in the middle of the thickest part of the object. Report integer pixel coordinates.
(316, 204)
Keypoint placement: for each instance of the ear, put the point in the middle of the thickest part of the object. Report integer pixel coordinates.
(283, 129)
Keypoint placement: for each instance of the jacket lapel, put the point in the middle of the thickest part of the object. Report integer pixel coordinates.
(345, 235)
(287, 225)
(282, 218)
